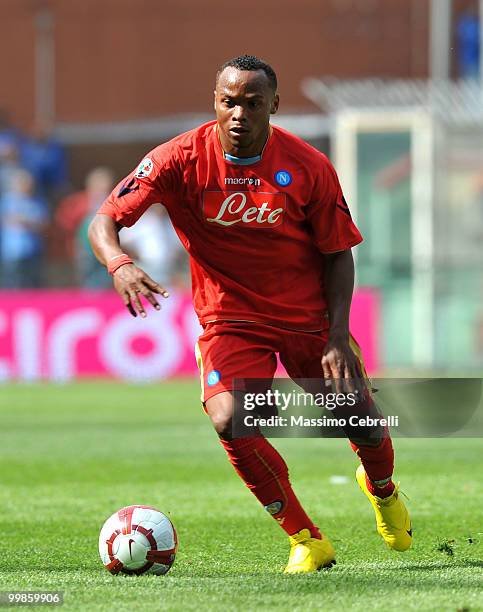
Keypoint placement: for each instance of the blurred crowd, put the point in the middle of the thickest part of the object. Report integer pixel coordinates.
(43, 221)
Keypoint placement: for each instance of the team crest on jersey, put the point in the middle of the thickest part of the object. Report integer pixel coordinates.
(144, 169)
(283, 178)
(213, 378)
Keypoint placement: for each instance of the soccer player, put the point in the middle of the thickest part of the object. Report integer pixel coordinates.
(269, 234)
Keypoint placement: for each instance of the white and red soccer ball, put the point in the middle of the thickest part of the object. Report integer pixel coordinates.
(138, 540)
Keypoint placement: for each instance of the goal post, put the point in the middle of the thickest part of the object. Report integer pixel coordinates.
(387, 129)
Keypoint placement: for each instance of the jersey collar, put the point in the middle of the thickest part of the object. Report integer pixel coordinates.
(242, 161)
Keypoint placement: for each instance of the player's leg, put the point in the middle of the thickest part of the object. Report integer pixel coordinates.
(302, 359)
(375, 475)
(261, 467)
(232, 352)
(265, 473)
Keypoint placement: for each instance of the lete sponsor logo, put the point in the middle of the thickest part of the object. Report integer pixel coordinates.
(252, 209)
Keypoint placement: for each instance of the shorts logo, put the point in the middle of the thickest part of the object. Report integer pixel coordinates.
(144, 169)
(213, 378)
(283, 178)
(274, 507)
(249, 208)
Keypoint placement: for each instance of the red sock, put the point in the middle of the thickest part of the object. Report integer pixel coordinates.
(265, 473)
(378, 462)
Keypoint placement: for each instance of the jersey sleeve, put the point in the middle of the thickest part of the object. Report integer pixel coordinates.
(153, 182)
(329, 214)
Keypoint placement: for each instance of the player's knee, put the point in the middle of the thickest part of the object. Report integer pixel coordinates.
(222, 426)
(220, 411)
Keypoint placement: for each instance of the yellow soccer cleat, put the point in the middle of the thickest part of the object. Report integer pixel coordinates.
(308, 554)
(392, 518)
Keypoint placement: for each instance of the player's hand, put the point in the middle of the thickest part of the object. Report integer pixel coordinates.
(131, 282)
(341, 367)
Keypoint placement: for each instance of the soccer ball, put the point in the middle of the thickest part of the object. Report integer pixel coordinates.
(138, 540)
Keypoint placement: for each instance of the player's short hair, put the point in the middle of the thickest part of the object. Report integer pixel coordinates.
(250, 62)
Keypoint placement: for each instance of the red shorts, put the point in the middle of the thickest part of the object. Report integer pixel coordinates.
(230, 349)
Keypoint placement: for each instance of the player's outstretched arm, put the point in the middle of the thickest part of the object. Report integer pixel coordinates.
(129, 280)
(338, 359)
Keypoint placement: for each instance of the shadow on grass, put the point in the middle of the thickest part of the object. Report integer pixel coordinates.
(339, 573)
(427, 567)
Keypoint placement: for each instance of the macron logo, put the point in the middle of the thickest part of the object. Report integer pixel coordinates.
(245, 180)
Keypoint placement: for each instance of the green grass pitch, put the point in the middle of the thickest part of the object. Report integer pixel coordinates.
(72, 455)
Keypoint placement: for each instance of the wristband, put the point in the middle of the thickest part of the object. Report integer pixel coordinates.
(117, 261)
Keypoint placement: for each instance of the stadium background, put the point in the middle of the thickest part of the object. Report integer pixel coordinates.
(392, 90)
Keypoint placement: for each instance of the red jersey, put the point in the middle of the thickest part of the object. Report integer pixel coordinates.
(255, 233)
